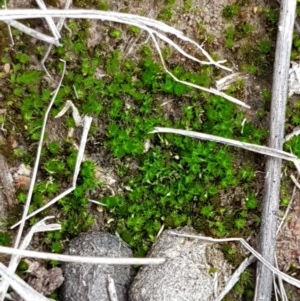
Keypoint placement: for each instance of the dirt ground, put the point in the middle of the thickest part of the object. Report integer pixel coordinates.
(208, 14)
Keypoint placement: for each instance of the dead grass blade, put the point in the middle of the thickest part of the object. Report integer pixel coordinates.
(82, 259)
(260, 149)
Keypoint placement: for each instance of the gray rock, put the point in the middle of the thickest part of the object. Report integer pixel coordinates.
(189, 273)
(89, 282)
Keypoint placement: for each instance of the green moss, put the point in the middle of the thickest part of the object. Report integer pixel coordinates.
(231, 11)
(115, 33)
(178, 180)
(293, 145)
(265, 46)
(5, 239)
(164, 189)
(187, 6)
(103, 5)
(271, 15)
(165, 14)
(244, 29)
(170, 180)
(230, 36)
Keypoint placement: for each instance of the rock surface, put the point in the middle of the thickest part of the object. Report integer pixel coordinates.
(89, 282)
(190, 272)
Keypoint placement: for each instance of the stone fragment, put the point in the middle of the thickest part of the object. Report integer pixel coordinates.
(194, 270)
(89, 282)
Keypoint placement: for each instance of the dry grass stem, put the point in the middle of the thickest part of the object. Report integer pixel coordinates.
(49, 20)
(260, 149)
(59, 27)
(82, 259)
(32, 32)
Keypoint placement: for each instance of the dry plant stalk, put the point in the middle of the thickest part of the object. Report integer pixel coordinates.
(271, 199)
(260, 149)
(59, 27)
(81, 259)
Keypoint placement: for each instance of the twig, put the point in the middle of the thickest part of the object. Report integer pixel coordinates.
(297, 26)
(130, 19)
(49, 20)
(37, 161)
(263, 289)
(226, 81)
(8, 190)
(75, 113)
(296, 132)
(97, 203)
(281, 290)
(180, 50)
(295, 181)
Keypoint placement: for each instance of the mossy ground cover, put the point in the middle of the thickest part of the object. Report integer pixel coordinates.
(177, 181)
(163, 179)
